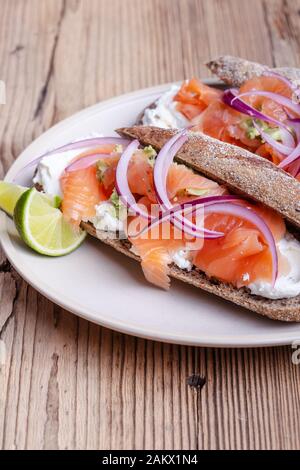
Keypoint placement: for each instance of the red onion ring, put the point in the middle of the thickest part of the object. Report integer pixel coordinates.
(87, 161)
(162, 163)
(282, 100)
(293, 157)
(285, 150)
(79, 144)
(293, 87)
(288, 138)
(294, 168)
(231, 98)
(122, 186)
(90, 142)
(295, 124)
(201, 202)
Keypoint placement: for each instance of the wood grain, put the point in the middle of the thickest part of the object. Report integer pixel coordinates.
(67, 383)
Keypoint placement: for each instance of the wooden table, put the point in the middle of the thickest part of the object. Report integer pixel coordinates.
(67, 383)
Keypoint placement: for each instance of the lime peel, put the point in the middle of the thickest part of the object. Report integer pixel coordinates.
(43, 227)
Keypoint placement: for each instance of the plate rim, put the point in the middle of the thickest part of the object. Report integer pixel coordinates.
(244, 341)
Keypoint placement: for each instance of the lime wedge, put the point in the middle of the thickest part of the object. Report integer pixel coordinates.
(42, 226)
(9, 194)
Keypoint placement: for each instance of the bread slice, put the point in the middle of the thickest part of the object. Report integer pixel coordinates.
(235, 71)
(227, 164)
(241, 171)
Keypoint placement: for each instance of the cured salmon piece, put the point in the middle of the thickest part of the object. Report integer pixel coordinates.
(140, 175)
(226, 124)
(155, 267)
(82, 191)
(268, 152)
(156, 248)
(266, 105)
(241, 256)
(194, 97)
(181, 178)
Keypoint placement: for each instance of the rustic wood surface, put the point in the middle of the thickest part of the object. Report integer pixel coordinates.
(67, 383)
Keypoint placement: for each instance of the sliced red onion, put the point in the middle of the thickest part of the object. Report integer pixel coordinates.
(276, 145)
(282, 100)
(231, 98)
(79, 144)
(280, 77)
(294, 156)
(86, 143)
(162, 164)
(188, 207)
(122, 186)
(294, 168)
(87, 161)
(288, 139)
(162, 161)
(252, 217)
(295, 124)
(293, 87)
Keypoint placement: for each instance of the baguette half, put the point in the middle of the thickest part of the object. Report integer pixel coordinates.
(235, 71)
(241, 171)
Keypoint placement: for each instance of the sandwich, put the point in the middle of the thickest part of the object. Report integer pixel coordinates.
(189, 207)
(260, 112)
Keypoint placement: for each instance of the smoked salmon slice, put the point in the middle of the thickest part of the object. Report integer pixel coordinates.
(194, 97)
(81, 193)
(241, 256)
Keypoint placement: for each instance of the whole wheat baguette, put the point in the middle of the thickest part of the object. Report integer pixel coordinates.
(284, 309)
(235, 71)
(241, 171)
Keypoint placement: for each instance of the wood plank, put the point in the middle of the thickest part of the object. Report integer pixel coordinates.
(67, 383)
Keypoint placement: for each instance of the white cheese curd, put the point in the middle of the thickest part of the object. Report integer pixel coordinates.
(51, 167)
(165, 114)
(181, 259)
(106, 219)
(288, 285)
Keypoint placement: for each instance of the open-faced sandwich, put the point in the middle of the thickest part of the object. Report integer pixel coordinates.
(261, 113)
(190, 207)
(214, 203)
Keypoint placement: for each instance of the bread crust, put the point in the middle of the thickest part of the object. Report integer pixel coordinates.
(287, 310)
(235, 71)
(241, 171)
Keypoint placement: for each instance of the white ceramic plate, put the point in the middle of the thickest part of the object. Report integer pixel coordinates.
(105, 287)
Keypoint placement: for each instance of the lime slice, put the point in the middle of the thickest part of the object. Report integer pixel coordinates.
(42, 226)
(9, 194)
